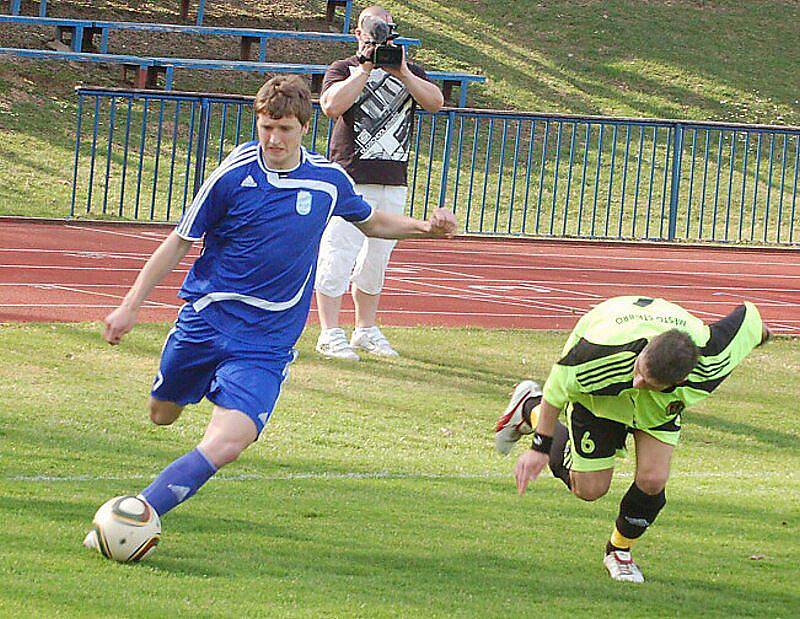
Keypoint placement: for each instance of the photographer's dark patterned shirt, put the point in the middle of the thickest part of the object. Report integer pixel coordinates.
(371, 140)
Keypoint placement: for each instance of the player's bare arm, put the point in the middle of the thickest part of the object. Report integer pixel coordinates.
(162, 262)
(531, 463)
(442, 223)
(341, 96)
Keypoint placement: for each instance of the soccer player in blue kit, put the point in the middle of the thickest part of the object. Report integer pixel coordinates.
(261, 215)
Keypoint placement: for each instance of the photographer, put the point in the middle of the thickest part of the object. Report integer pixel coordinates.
(373, 108)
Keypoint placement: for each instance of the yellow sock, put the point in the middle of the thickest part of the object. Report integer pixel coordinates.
(618, 540)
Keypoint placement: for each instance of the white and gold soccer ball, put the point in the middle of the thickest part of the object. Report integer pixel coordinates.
(126, 528)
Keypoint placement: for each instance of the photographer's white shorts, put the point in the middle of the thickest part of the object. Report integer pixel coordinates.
(346, 255)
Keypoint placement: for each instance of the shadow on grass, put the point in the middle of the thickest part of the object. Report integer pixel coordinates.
(766, 435)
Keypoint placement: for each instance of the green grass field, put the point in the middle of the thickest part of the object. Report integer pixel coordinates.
(375, 491)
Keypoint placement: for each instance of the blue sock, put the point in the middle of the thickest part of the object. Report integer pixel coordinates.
(179, 481)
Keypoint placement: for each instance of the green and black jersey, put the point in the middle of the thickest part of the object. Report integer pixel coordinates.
(596, 367)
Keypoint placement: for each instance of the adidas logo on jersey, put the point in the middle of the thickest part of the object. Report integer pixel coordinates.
(249, 182)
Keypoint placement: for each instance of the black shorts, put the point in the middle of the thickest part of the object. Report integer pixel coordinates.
(596, 441)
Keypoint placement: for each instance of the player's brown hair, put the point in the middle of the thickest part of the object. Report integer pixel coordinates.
(671, 356)
(284, 95)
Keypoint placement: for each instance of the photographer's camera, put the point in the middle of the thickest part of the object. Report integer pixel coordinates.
(382, 34)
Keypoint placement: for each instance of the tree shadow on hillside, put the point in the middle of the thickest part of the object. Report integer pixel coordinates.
(728, 35)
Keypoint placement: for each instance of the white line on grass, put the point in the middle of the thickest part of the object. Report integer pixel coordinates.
(388, 475)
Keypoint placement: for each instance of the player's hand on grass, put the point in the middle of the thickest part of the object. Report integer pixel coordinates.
(118, 323)
(529, 465)
(442, 223)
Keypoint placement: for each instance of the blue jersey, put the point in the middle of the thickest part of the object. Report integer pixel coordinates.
(254, 279)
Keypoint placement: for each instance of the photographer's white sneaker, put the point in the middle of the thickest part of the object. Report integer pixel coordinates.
(332, 343)
(373, 341)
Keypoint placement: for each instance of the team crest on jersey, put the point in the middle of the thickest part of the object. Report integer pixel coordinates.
(303, 203)
(676, 408)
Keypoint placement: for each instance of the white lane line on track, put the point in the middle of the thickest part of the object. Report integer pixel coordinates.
(117, 254)
(492, 297)
(412, 279)
(86, 253)
(76, 268)
(605, 255)
(476, 295)
(602, 270)
(434, 267)
(161, 306)
(399, 292)
(147, 302)
(455, 273)
(156, 237)
(599, 283)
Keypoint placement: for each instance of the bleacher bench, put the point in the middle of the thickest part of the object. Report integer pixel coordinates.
(82, 32)
(247, 36)
(136, 63)
(149, 69)
(330, 10)
(167, 66)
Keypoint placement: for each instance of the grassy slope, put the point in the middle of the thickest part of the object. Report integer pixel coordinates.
(726, 60)
(431, 528)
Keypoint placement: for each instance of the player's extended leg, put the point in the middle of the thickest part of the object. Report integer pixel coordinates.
(520, 418)
(590, 486)
(164, 413)
(228, 434)
(594, 443)
(640, 506)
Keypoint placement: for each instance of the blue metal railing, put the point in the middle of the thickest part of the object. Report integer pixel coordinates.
(143, 155)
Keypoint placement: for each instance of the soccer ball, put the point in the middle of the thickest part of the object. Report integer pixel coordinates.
(125, 529)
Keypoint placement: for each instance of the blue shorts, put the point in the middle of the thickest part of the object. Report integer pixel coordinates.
(198, 361)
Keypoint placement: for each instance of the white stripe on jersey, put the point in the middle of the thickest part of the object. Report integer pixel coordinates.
(245, 155)
(324, 163)
(270, 306)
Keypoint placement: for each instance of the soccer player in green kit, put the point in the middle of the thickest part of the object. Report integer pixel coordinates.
(630, 366)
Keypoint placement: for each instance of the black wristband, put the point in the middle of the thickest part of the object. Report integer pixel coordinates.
(541, 443)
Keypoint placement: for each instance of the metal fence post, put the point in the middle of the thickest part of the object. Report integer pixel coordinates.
(77, 156)
(448, 141)
(200, 151)
(677, 152)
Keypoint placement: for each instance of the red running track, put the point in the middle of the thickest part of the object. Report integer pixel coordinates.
(80, 271)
